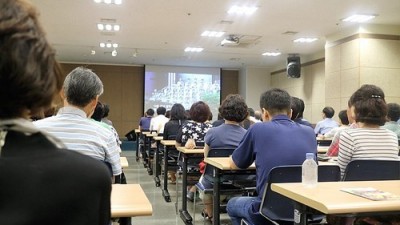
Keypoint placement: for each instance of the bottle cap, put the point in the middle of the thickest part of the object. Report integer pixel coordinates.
(309, 155)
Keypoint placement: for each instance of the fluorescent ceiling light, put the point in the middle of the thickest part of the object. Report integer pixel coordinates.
(118, 2)
(208, 33)
(242, 10)
(108, 45)
(358, 18)
(102, 45)
(107, 1)
(190, 49)
(115, 45)
(305, 40)
(108, 27)
(116, 27)
(97, 1)
(271, 53)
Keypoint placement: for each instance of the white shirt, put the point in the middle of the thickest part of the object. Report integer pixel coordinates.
(157, 123)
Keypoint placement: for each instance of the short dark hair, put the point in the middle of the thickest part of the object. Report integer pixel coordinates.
(81, 86)
(106, 109)
(328, 111)
(295, 105)
(250, 111)
(199, 112)
(98, 112)
(233, 108)
(393, 111)
(275, 101)
(161, 110)
(30, 76)
(343, 117)
(369, 105)
(178, 112)
(150, 112)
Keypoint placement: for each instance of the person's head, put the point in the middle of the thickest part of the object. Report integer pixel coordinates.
(295, 105)
(301, 108)
(343, 117)
(178, 112)
(199, 112)
(393, 111)
(233, 108)
(106, 110)
(257, 115)
(98, 112)
(30, 76)
(250, 111)
(150, 112)
(274, 102)
(161, 110)
(210, 117)
(368, 105)
(82, 88)
(168, 114)
(328, 112)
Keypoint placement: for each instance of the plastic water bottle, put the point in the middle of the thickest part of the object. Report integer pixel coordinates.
(309, 171)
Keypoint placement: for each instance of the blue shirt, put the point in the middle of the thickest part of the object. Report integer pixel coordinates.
(144, 123)
(324, 126)
(275, 143)
(224, 136)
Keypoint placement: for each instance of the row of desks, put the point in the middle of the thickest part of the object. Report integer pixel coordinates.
(326, 198)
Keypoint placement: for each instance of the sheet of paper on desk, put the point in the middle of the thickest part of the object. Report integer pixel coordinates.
(371, 193)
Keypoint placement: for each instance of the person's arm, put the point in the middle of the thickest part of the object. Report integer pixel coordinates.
(334, 147)
(317, 128)
(206, 150)
(232, 163)
(243, 156)
(178, 139)
(112, 155)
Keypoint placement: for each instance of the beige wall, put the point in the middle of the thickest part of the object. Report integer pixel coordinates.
(253, 82)
(310, 87)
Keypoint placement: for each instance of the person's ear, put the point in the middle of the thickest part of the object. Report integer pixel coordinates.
(290, 113)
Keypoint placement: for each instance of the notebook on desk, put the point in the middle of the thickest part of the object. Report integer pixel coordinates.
(323, 157)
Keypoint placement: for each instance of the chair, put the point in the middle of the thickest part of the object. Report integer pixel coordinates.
(279, 209)
(225, 181)
(359, 170)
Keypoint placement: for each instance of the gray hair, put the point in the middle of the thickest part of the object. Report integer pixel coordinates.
(81, 86)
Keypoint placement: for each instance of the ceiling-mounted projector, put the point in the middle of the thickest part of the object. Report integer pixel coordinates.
(231, 40)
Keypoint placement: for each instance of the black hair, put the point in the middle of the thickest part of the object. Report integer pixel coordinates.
(328, 111)
(343, 117)
(275, 101)
(234, 108)
(393, 111)
(150, 112)
(161, 110)
(178, 112)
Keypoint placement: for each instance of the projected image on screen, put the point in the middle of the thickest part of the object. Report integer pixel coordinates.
(165, 86)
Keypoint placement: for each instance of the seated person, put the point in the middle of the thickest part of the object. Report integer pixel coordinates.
(228, 135)
(144, 123)
(157, 123)
(392, 118)
(81, 91)
(325, 125)
(297, 106)
(269, 144)
(171, 128)
(194, 131)
(369, 140)
(41, 181)
(344, 124)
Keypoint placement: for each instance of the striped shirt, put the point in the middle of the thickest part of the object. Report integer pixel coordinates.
(366, 143)
(83, 135)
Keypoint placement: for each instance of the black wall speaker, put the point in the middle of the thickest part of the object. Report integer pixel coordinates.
(293, 67)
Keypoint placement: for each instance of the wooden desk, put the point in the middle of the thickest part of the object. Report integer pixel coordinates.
(328, 199)
(184, 214)
(168, 144)
(219, 164)
(322, 149)
(124, 162)
(129, 200)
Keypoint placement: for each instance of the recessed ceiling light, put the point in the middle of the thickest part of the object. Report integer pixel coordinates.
(108, 45)
(108, 27)
(116, 2)
(305, 40)
(102, 45)
(358, 18)
(242, 10)
(271, 53)
(115, 45)
(212, 33)
(190, 49)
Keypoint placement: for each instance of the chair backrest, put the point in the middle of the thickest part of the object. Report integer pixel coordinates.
(277, 207)
(359, 170)
(324, 142)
